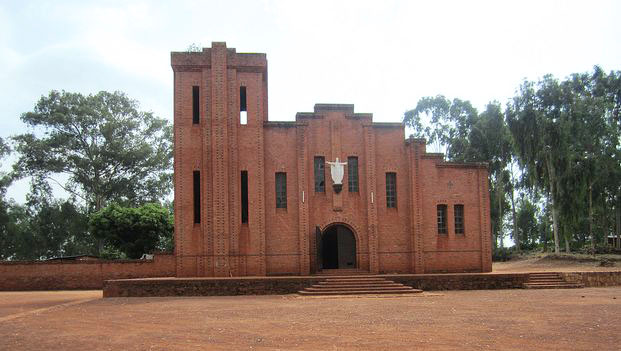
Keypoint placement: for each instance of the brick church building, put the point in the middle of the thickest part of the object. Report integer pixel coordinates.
(255, 197)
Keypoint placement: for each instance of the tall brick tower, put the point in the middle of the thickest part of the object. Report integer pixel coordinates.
(217, 91)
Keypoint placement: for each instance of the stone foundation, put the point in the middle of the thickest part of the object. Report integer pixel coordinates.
(593, 279)
(290, 285)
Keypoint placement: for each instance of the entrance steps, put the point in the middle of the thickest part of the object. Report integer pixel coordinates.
(342, 271)
(357, 285)
(549, 280)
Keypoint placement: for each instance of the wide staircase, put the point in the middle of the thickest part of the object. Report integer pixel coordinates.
(357, 285)
(549, 280)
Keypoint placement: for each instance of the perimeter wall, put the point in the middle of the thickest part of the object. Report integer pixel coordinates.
(78, 275)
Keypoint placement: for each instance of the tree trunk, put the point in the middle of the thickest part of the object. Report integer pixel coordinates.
(516, 235)
(98, 206)
(567, 249)
(545, 229)
(552, 177)
(499, 198)
(591, 218)
(605, 222)
(618, 226)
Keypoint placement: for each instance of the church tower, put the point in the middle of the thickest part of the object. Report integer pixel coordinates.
(220, 104)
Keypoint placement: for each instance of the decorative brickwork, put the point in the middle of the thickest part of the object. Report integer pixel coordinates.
(369, 142)
(304, 231)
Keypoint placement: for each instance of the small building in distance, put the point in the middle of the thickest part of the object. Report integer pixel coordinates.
(255, 197)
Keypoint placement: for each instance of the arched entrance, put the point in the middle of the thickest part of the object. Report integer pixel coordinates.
(337, 248)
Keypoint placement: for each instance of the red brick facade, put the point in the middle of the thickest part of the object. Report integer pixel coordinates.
(402, 238)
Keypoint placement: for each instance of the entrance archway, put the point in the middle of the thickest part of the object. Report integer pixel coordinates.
(338, 248)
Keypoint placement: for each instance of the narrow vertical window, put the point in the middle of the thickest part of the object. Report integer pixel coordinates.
(320, 176)
(352, 174)
(244, 196)
(195, 104)
(442, 220)
(281, 190)
(243, 106)
(459, 219)
(197, 196)
(391, 190)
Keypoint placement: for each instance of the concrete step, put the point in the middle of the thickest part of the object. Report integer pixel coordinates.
(352, 279)
(358, 292)
(357, 286)
(549, 280)
(337, 285)
(545, 280)
(553, 286)
(355, 282)
(343, 272)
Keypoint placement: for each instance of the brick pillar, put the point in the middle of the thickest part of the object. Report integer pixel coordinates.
(303, 228)
(207, 266)
(371, 196)
(486, 245)
(181, 182)
(260, 205)
(220, 146)
(233, 171)
(335, 146)
(416, 203)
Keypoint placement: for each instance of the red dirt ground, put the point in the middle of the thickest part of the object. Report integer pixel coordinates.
(576, 319)
(573, 319)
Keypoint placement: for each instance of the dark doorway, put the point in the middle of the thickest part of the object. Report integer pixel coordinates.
(338, 248)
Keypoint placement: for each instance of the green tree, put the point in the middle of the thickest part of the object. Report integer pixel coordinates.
(451, 122)
(133, 231)
(105, 148)
(567, 137)
(469, 136)
(6, 218)
(534, 118)
(528, 231)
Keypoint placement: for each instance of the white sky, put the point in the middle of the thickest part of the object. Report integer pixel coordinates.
(382, 56)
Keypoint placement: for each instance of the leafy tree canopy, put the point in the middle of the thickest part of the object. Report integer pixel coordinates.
(104, 146)
(133, 231)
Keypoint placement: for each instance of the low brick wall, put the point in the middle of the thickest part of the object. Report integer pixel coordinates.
(79, 275)
(462, 281)
(207, 286)
(290, 285)
(593, 279)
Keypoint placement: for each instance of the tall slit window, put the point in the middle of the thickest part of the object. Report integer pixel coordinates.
(320, 176)
(442, 229)
(459, 219)
(197, 196)
(352, 174)
(244, 196)
(281, 190)
(391, 190)
(195, 104)
(243, 106)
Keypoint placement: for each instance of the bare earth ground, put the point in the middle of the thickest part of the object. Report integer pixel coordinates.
(573, 319)
(542, 262)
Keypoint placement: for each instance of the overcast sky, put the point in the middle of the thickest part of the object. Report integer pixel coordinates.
(382, 56)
